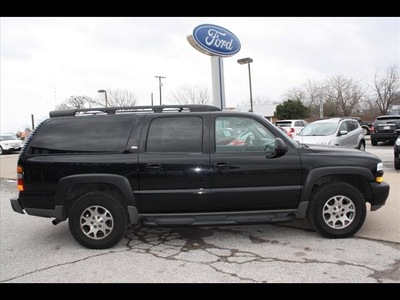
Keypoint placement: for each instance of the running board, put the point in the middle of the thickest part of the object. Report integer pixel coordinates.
(224, 218)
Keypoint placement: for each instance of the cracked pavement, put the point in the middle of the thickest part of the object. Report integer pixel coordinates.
(35, 251)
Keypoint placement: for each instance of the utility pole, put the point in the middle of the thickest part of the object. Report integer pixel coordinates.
(160, 84)
(33, 122)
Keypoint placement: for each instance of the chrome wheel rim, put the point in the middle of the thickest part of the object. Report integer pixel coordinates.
(96, 222)
(339, 212)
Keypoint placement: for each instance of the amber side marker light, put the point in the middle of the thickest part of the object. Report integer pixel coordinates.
(379, 169)
(20, 180)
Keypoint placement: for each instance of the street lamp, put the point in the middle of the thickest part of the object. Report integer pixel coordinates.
(160, 84)
(247, 61)
(105, 95)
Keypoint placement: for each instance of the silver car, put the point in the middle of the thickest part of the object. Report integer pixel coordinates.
(340, 132)
(9, 143)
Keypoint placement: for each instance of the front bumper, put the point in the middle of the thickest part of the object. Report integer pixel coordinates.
(380, 193)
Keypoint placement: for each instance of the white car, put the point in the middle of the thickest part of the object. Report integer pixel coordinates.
(293, 127)
(341, 132)
(9, 143)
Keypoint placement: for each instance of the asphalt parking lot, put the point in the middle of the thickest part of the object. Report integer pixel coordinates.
(35, 251)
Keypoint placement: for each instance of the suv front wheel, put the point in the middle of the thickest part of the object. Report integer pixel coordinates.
(337, 210)
(97, 220)
(361, 146)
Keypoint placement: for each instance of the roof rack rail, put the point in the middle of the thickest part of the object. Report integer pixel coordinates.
(132, 109)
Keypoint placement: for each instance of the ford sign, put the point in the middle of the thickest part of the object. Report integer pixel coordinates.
(214, 40)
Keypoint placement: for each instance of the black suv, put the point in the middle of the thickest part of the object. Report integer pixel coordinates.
(385, 129)
(106, 168)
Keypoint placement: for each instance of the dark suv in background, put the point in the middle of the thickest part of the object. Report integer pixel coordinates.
(106, 168)
(385, 129)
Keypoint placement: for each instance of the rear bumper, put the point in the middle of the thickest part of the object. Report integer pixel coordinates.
(16, 205)
(57, 213)
(384, 136)
(380, 193)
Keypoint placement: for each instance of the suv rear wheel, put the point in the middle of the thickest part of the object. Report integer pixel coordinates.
(337, 210)
(97, 220)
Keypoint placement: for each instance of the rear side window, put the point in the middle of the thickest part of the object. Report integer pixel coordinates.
(298, 123)
(353, 125)
(283, 124)
(175, 134)
(82, 134)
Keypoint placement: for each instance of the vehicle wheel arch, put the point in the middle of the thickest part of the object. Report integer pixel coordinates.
(70, 188)
(356, 176)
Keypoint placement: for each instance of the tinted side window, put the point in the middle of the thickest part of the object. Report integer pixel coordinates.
(353, 125)
(82, 134)
(175, 134)
(249, 135)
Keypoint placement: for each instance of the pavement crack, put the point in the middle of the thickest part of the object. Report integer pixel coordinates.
(186, 245)
(392, 273)
(60, 265)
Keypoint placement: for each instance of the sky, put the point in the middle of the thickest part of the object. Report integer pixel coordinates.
(46, 60)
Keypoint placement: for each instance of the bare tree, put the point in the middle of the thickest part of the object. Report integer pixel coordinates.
(315, 98)
(118, 98)
(343, 95)
(295, 94)
(257, 100)
(311, 96)
(192, 95)
(386, 89)
(77, 102)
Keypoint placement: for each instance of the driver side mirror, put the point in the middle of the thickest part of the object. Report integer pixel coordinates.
(280, 148)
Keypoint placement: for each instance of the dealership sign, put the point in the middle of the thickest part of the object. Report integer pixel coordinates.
(214, 40)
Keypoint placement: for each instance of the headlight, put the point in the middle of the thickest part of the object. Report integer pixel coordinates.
(379, 166)
(398, 142)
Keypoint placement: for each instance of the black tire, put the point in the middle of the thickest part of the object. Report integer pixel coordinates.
(337, 210)
(397, 163)
(374, 142)
(97, 220)
(361, 146)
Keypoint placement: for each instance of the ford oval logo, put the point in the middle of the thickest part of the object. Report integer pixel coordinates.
(214, 40)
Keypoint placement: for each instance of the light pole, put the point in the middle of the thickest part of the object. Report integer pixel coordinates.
(247, 61)
(160, 84)
(105, 95)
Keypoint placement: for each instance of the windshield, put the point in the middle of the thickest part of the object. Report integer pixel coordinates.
(388, 120)
(319, 129)
(8, 137)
